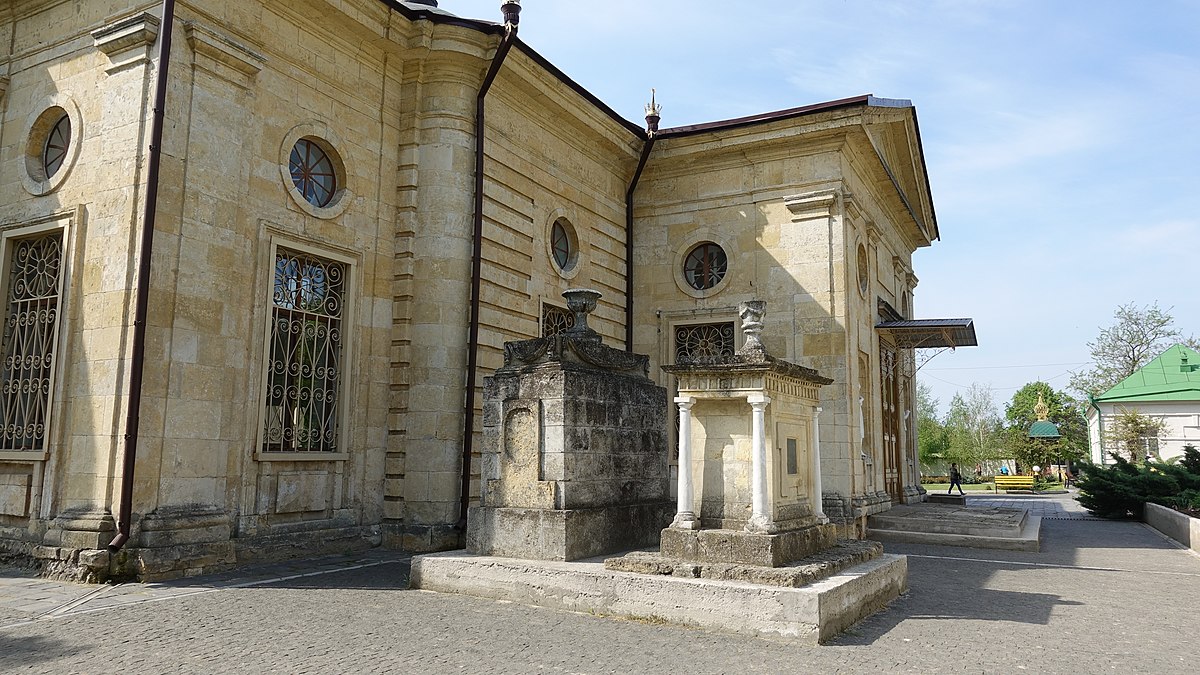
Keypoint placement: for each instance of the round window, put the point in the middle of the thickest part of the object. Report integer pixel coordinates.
(563, 246)
(52, 145)
(864, 279)
(58, 142)
(312, 172)
(705, 265)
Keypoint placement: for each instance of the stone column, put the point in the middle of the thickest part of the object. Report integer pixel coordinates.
(760, 519)
(685, 517)
(818, 491)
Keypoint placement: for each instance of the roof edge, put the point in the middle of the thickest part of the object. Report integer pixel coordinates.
(441, 17)
(763, 118)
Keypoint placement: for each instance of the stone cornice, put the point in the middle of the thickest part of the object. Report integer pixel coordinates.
(812, 205)
(127, 42)
(139, 30)
(759, 368)
(222, 56)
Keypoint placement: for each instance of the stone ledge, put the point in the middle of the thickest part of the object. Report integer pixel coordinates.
(1178, 526)
(811, 615)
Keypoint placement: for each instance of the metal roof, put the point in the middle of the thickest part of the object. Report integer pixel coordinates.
(1173, 375)
(1044, 429)
(925, 333)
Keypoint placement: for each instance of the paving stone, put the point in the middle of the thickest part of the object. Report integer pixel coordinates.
(1101, 595)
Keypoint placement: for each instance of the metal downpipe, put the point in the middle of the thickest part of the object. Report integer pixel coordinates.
(142, 301)
(633, 183)
(510, 35)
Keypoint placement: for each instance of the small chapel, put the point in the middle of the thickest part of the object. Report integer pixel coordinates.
(258, 258)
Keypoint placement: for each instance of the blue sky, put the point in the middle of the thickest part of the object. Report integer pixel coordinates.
(1062, 139)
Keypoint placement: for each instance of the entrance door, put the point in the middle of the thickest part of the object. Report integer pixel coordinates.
(890, 396)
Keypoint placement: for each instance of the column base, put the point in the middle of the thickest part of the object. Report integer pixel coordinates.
(686, 521)
(761, 525)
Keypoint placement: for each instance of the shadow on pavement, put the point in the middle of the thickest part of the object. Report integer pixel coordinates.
(936, 593)
(31, 650)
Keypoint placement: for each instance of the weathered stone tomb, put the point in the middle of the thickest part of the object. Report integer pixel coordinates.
(574, 462)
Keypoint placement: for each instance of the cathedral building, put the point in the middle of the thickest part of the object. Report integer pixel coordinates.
(257, 257)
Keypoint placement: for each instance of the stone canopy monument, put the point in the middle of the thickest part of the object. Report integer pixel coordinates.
(749, 441)
(574, 460)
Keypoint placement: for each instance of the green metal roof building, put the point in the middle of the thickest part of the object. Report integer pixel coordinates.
(1167, 388)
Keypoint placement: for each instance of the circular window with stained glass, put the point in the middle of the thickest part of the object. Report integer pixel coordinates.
(313, 172)
(705, 265)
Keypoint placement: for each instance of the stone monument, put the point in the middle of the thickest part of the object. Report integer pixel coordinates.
(575, 465)
(574, 460)
(749, 493)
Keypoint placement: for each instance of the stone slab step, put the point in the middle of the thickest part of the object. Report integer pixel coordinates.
(951, 519)
(1028, 539)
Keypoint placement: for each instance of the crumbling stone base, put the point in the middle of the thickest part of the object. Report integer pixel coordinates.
(571, 534)
(810, 569)
(745, 548)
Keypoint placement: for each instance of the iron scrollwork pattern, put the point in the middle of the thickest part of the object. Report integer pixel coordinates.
(556, 320)
(704, 343)
(304, 368)
(30, 333)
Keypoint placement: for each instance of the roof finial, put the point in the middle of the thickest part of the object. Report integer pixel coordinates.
(1041, 409)
(512, 13)
(652, 114)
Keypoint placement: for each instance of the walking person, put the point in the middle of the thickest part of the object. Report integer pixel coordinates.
(955, 479)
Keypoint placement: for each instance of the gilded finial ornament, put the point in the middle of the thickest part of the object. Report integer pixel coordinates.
(1041, 409)
(653, 114)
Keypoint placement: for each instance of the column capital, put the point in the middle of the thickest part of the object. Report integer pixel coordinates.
(685, 401)
(758, 400)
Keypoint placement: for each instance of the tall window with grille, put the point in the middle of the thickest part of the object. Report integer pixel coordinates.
(304, 363)
(32, 287)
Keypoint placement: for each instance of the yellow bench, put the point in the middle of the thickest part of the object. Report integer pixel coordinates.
(1007, 483)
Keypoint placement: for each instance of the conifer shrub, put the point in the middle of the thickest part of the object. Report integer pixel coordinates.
(1122, 490)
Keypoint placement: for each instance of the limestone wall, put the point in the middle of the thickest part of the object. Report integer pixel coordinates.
(789, 202)
(549, 156)
(51, 65)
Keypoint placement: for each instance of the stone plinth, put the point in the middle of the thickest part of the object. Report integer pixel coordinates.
(746, 548)
(810, 614)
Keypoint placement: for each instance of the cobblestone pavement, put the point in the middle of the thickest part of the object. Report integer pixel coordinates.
(1100, 597)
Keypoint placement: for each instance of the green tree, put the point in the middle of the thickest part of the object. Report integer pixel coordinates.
(1062, 410)
(932, 441)
(973, 427)
(1138, 335)
(1134, 434)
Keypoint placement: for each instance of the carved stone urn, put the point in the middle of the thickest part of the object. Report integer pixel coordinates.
(581, 302)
